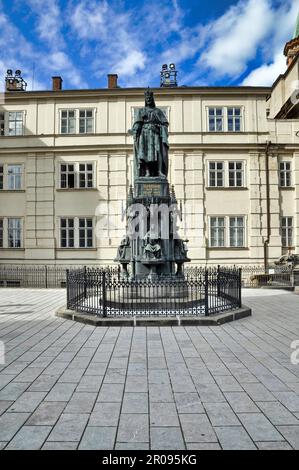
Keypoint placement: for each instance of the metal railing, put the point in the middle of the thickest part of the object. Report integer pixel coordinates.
(255, 276)
(203, 292)
(41, 276)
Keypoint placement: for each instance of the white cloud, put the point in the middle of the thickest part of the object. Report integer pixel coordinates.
(266, 74)
(235, 36)
(133, 62)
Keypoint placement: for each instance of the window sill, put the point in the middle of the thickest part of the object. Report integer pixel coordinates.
(228, 248)
(76, 189)
(77, 249)
(12, 190)
(10, 249)
(288, 188)
(227, 188)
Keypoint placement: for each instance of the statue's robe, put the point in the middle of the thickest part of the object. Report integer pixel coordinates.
(151, 130)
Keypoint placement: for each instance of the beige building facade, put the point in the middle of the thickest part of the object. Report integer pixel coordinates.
(66, 170)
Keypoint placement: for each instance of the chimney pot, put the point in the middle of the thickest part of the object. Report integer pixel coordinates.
(112, 80)
(57, 83)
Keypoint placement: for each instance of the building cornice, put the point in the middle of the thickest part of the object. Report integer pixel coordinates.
(135, 93)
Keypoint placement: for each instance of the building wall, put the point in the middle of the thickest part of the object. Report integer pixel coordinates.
(41, 203)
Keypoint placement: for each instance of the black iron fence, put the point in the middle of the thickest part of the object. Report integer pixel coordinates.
(203, 292)
(278, 277)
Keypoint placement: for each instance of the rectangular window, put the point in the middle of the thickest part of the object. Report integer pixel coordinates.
(215, 119)
(235, 174)
(236, 232)
(216, 174)
(67, 175)
(285, 174)
(85, 233)
(67, 233)
(85, 175)
(68, 121)
(14, 177)
(234, 119)
(1, 176)
(86, 121)
(287, 231)
(2, 123)
(15, 123)
(14, 233)
(1, 233)
(217, 231)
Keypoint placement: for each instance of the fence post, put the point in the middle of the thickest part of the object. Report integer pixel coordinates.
(67, 289)
(84, 283)
(104, 294)
(207, 313)
(218, 280)
(46, 276)
(240, 287)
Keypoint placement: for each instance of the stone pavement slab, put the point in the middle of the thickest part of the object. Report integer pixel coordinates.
(67, 385)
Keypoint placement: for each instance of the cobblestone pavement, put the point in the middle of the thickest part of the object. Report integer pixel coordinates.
(66, 385)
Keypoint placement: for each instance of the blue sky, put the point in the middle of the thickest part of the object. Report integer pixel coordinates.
(213, 43)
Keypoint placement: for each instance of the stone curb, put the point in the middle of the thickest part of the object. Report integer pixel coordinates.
(93, 320)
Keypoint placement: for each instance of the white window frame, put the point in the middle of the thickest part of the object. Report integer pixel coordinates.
(284, 174)
(75, 228)
(67, 121)
(215, 118)
(217, 172)
(234, 118)
(5, 124)
(92, 110)
(1, 232)
(2, 176)
(6, 176)
(227, 219)
(6, 222)
(76, 121)
(86, 228)
(236, 171)
(236, 228)
(224, 117)
(285, 228)
(218, 227)
(77, 173)
(225, 172)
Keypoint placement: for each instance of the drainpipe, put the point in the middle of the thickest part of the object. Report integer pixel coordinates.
(266, 242)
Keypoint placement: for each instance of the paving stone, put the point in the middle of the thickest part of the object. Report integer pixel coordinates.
(135, 403)
(46, 414)
(167, 438)
(156, 363)
(197, 428)
(29, 374)
(259, 427)
(277, 413)
(60, 445)
(258, 392)
(132, 446)
(27, 402)
(96, 368)
(136, 384)
(283, 445)
(241, 402)
(29, 438)
(133, 428)
(210, 393)
(61, 392)
(163, 414)
(115, 376)
(90, 383)
(291, 434)
(289, 399)
(221, 414)
(2, 445)
(98, 438)
(13, 390)
(4, 405)
(160, 393)
(203, 446)
(43, 383)
(81, 402)
(69, 427)
(188, 403)
(158, 376)
(105, 414)
(111, 392)
(10, 424)
(228, 383)
(71, 375)
(234, 438)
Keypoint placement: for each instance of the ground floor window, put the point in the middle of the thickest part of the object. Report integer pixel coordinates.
(76, 232)
(11, 232)
(287, 231)
(227, 231)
